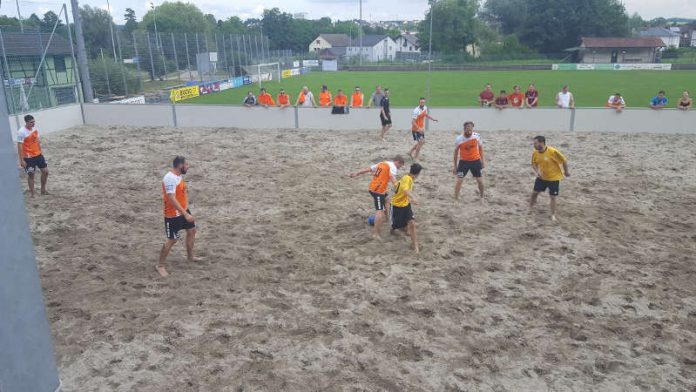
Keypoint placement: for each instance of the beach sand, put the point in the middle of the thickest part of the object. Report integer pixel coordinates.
(293, 295)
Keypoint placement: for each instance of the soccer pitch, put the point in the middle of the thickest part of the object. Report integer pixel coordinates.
(461, 88)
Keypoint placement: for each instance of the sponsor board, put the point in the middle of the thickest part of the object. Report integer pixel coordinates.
(612, 67)
(208, 88)
(329, 65)
(181, 94)
(296, 64)
(286, 73)
(310, 63)
(140, 99)
(226, 85)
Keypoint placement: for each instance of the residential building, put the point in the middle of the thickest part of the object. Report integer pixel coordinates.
(30, 86)
(407, 46)
(328, 41)
(621, 50)
(669, 38)
(374, 48)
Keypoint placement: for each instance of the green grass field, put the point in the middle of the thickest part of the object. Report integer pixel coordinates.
(461, 88)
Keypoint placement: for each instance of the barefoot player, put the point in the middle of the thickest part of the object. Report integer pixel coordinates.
(29, 151)
(468, 156)
(385, 115)
(547, 163)
(177, 216)
(382, 174)
(420, 113)
(401, 213)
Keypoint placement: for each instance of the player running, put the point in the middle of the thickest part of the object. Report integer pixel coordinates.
(547, 162)
(420, 113)
(401, 213)
(468, 156)
(382, 174)
(177, 216)
(29, 153)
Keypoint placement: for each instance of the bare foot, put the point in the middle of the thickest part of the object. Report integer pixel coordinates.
(377, 237)
(415, 249)
(553, 218)
(44, 193)
(162, 271)
(195, 259)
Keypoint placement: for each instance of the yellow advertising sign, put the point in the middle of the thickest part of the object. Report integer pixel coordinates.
(180, 94)
(286, 73)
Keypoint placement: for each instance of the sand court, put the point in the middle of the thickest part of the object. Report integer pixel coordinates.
(294, 295)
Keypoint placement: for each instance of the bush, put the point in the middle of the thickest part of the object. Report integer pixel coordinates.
(98, 71)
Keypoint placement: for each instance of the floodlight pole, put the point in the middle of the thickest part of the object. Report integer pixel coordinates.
(430, 49)
(360, 35)
(81, 54)
(111, 28)
(19, 16)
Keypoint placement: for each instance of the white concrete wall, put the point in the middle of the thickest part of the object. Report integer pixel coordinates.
(234, 116)
(51, 120)
(125, 114)
(636, 120)
(541, 119)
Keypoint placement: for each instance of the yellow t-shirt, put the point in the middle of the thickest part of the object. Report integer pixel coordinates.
(400, 198)
(549, 164)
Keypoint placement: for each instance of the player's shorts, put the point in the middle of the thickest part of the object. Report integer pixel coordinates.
(400, 216)
(418, 136)
(553, 186)
(380, 200)
(385, 121)
(173, 226)
(33, 163)
(464, 167)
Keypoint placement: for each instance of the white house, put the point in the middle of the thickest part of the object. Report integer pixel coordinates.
(670, 38)
(328, 41)
(374, 48)
(407, 46)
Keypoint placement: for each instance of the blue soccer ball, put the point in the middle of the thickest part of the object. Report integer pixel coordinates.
(371, 220)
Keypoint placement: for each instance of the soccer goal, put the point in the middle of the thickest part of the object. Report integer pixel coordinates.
(266, 73)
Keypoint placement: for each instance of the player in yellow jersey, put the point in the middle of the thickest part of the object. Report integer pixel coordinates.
(401, 213)
(547, 163)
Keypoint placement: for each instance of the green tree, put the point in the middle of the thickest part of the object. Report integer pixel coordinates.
(455, 26)
(507, 16)
(98, 71)
(131, 24)
(233, 25)
(49, 20)
(9, 21)
(177, 17)
(95, 25)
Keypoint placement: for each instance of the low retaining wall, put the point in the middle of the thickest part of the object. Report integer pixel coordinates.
(541, 119)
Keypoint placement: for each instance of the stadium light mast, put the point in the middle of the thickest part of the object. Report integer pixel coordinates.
(360, 35)
(430, 49)
(154, 19)
(111, 28)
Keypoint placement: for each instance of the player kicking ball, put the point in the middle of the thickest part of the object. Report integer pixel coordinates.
(401, 214)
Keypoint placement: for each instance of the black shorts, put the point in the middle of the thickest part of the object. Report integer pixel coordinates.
(31, 164)
(380, 200)
(418, 136)
(385, 121)
(400, 216)
(464, 166)
(172, 226)
(553, 186)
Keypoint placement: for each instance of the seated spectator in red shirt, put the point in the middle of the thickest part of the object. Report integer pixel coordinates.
(516, 98)
(531, 97)
(486, 97)
(502, 101)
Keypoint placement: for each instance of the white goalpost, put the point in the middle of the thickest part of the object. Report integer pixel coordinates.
(266, 72)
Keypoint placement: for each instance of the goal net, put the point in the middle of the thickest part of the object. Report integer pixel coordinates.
(261, 73)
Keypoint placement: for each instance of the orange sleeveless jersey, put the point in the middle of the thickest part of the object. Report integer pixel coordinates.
(283, 99)
(419, 117)
(325, 98)
(380, 181)
(266, 99)
(30, 142)
(356, 100)
(170, 181)
(469, 147)
(340, 101)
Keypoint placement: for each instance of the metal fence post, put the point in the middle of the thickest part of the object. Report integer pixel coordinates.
(123, 66)
(174, 119)
(152, 60)
(158, 38)
(198, 51)
(188, 57)
(176, 59)
(106, 72)
(137, 63)
(81, 53)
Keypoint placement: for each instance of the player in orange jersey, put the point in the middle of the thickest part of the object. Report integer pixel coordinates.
(420, 113)
(265, 99)
(283, 99)
(382, 174)
(468, 156)
(29, 153)
(177, 216)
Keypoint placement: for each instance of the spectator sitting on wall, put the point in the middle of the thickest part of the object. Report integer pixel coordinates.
(564, 99)
(249, 100)
(283, 99)
(616, 102)
(265, 99)
(659, 101)
(305, 98)
(486, 97)
(516, 98)
(340, 104)
(356, 101)
(531, 97)
(685, 102)
(325, 97)
(502, 101)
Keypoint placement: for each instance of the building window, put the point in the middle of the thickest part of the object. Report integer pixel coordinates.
(59, 63)
(318, 42)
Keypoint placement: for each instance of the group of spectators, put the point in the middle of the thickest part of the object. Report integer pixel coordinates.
(565, 100)
(340, 103)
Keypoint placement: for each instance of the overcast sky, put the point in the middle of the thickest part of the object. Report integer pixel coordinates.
(336, 9)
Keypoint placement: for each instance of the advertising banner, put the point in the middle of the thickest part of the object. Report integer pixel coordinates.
(310, 63)
(612, 67)
(138, 99)
(181, 94)
(226, 85)
(286, 73)
(207, 88)
(238, 82)
(247, 79)
(329, 65)
(296, 64)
